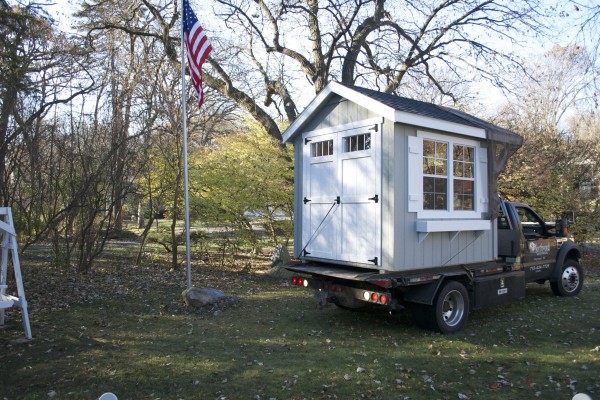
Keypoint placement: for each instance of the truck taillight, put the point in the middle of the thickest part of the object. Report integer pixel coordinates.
(374, 297)
(384, 283)
(298, 281)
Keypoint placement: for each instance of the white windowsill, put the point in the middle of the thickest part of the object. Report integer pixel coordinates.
(453, 227)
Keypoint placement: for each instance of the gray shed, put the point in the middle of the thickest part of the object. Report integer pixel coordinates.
(389, 183)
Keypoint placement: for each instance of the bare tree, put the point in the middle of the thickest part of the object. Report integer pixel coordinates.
(557, 158)
(37, 70)
(271, 47)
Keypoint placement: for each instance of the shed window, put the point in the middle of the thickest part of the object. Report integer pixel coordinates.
(464, 178)
(321, 149)
(446, 176)
(436, 175)
(357, 143)
(435, 167)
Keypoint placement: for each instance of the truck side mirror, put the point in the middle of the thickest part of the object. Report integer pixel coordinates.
(561, 228)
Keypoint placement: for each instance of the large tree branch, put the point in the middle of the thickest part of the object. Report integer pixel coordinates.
(225, 87)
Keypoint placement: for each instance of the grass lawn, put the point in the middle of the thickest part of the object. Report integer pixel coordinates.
(123, 329)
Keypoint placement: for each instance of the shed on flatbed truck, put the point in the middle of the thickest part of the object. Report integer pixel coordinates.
(392, 184)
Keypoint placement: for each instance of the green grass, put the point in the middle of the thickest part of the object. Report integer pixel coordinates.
(139, 343)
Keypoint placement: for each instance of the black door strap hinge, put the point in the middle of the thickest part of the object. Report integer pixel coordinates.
(375, 198)
(306, 252)
(337, 199)
(307, 141)
(374, 261)
(306, 200)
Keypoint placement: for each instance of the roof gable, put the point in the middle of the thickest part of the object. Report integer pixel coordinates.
(404, 110)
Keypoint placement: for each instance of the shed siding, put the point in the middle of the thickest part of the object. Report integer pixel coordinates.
(438, 248)
(338, 111)
(298, 195)
(388, 195)
(400, 247)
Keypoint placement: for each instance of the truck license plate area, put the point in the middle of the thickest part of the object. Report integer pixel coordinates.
(493, 290)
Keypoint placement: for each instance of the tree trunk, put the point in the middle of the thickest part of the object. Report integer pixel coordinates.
(140, 215)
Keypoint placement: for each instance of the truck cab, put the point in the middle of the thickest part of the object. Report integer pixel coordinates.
(541, 248)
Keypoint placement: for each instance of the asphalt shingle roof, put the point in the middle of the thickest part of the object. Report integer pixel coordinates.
(417, 107)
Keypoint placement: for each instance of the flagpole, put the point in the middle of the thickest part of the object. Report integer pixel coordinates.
(185, 160)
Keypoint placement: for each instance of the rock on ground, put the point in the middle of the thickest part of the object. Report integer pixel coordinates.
(200, 297)
(279, 258)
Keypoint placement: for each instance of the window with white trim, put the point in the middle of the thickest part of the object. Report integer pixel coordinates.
(435, 175)
(463, 176)
(357, 143)
(321, 149)
(446, 174)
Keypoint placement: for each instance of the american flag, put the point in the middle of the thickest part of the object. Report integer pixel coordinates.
(197, 47)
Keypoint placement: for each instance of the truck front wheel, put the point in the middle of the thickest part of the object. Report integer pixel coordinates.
(449, 311)
(570, 280)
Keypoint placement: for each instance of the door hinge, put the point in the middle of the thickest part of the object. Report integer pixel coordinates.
(337, 199)
(306, 200)
(306, 252)
(307, 141)
(375, 198)
(374, 128)
(374, 261)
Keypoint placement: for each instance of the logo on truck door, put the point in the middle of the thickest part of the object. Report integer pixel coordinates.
(539, 248)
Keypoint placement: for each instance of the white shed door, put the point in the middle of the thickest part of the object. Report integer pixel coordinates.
(342, 207)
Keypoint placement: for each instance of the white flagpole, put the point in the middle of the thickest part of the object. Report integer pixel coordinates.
(185, 161)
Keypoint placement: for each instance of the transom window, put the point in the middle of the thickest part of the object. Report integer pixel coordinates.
(356, 143)
(437, 175)
(321, 149)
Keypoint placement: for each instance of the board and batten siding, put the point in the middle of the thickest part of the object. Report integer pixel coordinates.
(438, 248)
(337, 112)
(401, 249)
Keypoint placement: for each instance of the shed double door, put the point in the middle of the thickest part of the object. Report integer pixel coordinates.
(341, 196)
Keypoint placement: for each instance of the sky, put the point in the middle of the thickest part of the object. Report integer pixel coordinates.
(563, 27)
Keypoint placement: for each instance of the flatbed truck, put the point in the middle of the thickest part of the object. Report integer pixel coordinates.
(441, 298)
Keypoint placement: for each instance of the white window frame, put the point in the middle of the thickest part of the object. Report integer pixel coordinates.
(415, 170)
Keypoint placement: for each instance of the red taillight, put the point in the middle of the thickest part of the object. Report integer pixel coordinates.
(385, 283)
(300, 281)
(294, 280)
(374, 297)
(383, 299)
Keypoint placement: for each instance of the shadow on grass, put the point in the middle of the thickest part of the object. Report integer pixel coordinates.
(277, 344)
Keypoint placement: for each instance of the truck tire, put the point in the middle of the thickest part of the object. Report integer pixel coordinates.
(449, 311)
(570, 280)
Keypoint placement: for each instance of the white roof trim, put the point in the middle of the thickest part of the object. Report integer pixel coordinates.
(438, 124)
(377, 107)
(343, 91)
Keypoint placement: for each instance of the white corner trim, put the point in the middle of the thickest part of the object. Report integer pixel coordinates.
(438, 124)
(426, 226)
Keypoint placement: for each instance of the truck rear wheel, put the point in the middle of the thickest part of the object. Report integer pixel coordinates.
(449, 311)
(570, 280)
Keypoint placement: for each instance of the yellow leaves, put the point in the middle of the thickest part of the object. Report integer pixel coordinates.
(245, 172)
